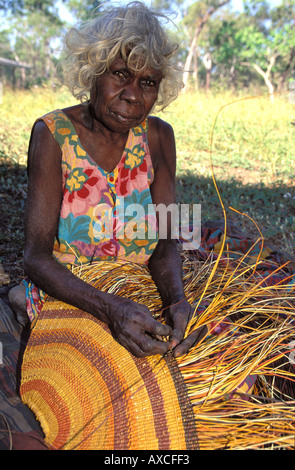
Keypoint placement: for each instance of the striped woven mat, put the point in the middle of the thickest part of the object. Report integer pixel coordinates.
(88, 392)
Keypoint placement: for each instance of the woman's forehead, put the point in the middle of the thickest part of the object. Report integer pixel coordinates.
(120, 63)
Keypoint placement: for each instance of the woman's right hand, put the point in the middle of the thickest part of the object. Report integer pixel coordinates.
(134, 327)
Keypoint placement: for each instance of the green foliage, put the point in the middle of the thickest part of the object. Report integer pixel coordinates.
(258, 9)
(15, 6)
(257, 45)
(82, 10)
(261, 37)
(34, 35)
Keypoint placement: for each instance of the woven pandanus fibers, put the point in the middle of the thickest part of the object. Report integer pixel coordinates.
(234, 390)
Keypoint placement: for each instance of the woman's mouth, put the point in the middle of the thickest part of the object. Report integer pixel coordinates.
(125, 118)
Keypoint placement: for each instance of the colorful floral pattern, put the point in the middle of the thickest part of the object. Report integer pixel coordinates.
(135, 157)
(94, 221)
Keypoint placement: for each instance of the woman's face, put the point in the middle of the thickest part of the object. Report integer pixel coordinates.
(122, 99)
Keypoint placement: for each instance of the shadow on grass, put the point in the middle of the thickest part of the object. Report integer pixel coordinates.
(13, 184)
(272, 208)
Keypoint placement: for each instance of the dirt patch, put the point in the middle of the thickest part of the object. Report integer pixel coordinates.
(249, 176)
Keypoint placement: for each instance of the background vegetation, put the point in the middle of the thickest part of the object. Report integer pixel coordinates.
(241, 72)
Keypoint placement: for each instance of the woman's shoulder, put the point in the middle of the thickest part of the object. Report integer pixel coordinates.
(156, 124)
(54, 124)
(48, 121)
(73, 112)
(58, 122)
(161, 141)
(59, 114)
(160, 132)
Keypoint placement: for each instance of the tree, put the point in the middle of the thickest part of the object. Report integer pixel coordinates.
(35, 31)
(254, 46)
(198, 15)
(15, 6)
(280, 16)
(34, 39)
(261, 51)
(82, 10)
(32, 28)
(224, 49)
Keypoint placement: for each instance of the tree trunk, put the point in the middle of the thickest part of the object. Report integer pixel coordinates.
(231, 80)
(270, 87)
(47, 59)
(266, 79)
(23, 77)
(188, 62)
(208, 77)
(199, 27)
(265, 75)
(208, 66)
(195, 75)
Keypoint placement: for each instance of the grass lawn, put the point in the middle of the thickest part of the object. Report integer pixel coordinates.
(248, 145)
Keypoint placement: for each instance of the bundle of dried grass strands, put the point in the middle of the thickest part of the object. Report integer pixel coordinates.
(235, 390)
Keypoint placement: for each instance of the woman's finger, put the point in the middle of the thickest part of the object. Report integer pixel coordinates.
(191, 340)
(142, 345)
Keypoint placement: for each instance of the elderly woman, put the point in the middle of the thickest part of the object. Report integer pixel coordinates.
(100, 157)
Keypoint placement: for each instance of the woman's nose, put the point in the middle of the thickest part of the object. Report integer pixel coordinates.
(132, 92)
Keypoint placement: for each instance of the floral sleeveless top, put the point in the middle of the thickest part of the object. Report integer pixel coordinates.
(104, 215)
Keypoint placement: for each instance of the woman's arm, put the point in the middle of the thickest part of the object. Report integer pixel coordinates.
(128, 321)
(165, 264)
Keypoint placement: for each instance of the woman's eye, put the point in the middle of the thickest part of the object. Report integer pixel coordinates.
(148, 83)
(119, 74)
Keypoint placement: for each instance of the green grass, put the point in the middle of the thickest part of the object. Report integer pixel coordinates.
(252, 155)
(253, 134)
(19, 111)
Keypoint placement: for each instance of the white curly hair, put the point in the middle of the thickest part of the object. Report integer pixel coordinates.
(135, 32)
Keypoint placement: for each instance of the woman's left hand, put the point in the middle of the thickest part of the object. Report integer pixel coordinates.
(177, 317)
